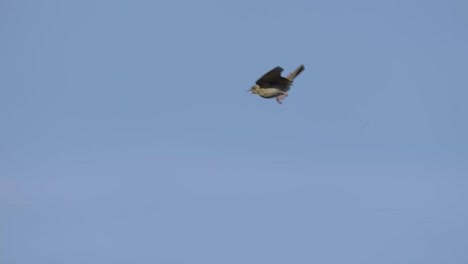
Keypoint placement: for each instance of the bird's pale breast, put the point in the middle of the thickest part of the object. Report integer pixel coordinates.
(269, 92)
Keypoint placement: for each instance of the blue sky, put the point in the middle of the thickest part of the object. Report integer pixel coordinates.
(127, 134)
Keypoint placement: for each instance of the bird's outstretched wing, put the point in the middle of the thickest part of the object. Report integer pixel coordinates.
(272, 78)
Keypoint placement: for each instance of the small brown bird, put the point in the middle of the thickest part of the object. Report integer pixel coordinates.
(272, 84)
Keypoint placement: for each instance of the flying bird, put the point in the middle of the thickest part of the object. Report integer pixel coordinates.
(272, 84)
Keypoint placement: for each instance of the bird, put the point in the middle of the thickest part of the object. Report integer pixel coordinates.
(272, 84)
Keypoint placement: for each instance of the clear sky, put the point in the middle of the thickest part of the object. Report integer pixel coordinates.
(127, 134)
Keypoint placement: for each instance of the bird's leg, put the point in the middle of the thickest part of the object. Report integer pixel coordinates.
(282, 96)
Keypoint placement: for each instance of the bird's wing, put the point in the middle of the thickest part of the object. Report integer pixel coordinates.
(273, 79)
(270, 77)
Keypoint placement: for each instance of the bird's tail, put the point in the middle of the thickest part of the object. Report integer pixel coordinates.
(295, 73)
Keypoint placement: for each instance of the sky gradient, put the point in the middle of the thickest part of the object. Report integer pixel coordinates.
(128, 136)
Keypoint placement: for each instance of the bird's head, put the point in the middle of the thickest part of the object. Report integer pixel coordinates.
(255, 89)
